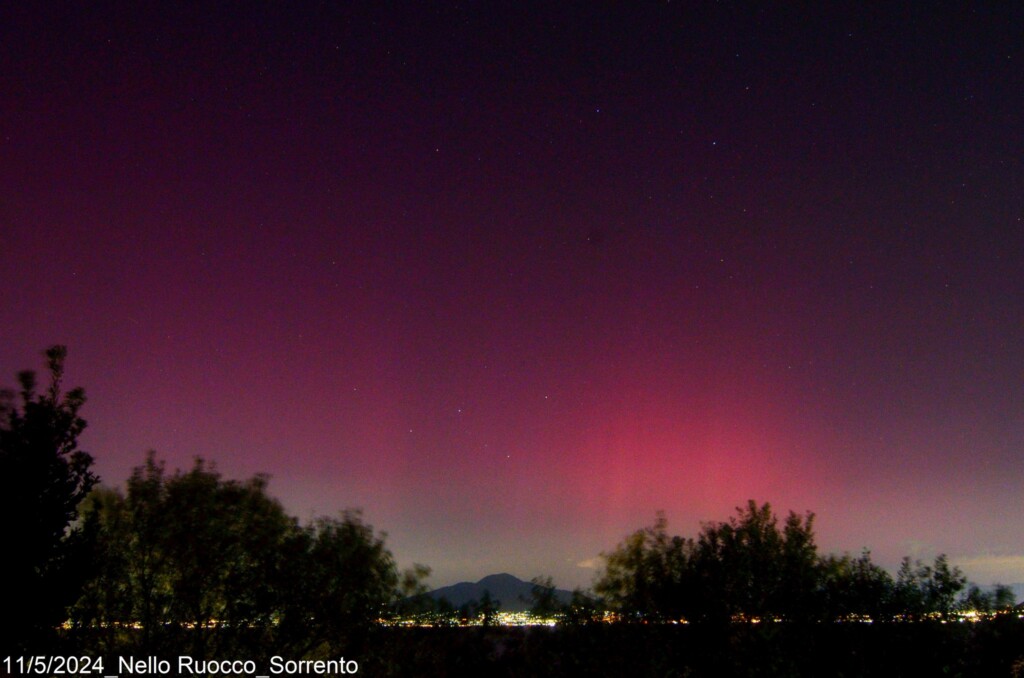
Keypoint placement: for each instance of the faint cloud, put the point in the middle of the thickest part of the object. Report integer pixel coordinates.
(989, 569)
(591, 563)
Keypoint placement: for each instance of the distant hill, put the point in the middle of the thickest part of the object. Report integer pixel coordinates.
(513, 593)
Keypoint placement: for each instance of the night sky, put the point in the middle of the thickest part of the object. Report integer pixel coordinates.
(513, 277)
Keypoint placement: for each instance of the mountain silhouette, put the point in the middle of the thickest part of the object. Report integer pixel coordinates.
(514, 594)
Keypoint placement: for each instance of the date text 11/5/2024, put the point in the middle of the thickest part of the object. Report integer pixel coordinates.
(38, 665)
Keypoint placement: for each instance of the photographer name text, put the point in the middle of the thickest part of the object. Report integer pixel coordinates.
(54, 665)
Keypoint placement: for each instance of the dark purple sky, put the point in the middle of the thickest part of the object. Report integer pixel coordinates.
(513, 278)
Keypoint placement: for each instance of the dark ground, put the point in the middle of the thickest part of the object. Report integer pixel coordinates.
(990, 649)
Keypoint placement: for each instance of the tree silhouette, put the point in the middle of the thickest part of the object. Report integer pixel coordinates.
(467, 612)
(751, 568)
(347, 581)
(943, 584)
(488, 608)
(976, 600)
(194, 564)
(43, 479)
(921, 590)
(544, 601)
(855, 588)
(649, 575)
(1003, 598)
(582, 609)
(188, 552)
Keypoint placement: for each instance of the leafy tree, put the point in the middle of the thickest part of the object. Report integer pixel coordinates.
(942, 586)
(855, 587)
(1003, 597)
(976, 600)
(582, 609)
(411, 583)
(648, 575)
(489, 608)
(922, 589)
(746, 566)
(544, 601)
(195, 564)
(189, 552)
(413, 598)
(467, 612)
(43, 479)
(347, 581)
(797, 596)
(908, 591)
(749, 567)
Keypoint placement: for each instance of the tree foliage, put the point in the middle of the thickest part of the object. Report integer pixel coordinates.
(195, 564)
(921, 590)
(999, 599)
(43, 478)
(750, 567)
(488, 608)
(543, 597)
(753, 567)
(648, 574)
(855, 588)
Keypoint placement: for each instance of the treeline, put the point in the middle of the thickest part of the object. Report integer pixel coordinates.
(190, 563)
(751, 567)
(187, 563)
(183, 563)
